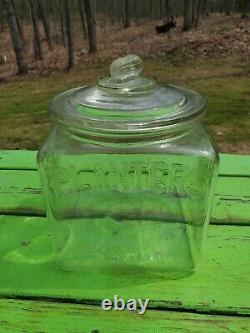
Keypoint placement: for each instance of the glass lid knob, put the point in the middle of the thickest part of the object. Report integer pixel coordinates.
(125, 76)
(126, 68)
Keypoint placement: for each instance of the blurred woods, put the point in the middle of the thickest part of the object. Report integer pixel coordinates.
(54, 22)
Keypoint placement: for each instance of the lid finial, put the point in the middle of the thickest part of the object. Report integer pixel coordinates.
(125, 77)
(126, 68)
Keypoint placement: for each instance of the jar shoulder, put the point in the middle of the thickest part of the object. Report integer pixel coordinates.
(196, 142)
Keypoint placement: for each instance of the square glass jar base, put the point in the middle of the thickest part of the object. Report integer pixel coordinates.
(142, 248)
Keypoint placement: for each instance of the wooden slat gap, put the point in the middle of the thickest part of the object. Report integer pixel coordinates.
(42, 214)
(18, 169)
(233, 176)
(155, 305)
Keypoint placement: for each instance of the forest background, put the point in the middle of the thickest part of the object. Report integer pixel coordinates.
(48, 46)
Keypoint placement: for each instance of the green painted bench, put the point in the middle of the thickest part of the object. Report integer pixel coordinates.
(36, 297)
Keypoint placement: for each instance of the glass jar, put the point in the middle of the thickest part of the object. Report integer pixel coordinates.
(128, 176)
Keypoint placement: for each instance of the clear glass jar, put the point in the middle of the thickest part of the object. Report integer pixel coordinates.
(128, 175)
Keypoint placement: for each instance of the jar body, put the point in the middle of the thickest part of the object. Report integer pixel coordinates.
(135, 208)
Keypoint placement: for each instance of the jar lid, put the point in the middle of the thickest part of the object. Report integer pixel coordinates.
(126, 101)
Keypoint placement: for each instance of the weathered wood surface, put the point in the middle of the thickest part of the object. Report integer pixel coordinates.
(20, 189)
(236, 165)
(47, 317)
(221, 284)
(18, 160)
(200, 303)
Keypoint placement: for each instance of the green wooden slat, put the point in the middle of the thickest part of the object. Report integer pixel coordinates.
(18, 159)
(26, 160)
(221, 284)
(234, 165)
(231, 203)
(20, 193)
(33, 317)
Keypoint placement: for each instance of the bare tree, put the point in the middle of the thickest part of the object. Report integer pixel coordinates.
(222, 6)
(125, 14)
(45, 21)
(113, 12)
(36, 33)
(90, 16)
(151, 10)
(204, 8)
(187, 15)
(245, 6)
(2, 26)
(68, 28)
(135, 11)
(198, 11)
(167, 10)
(18, 20)
(15, 37)
(62, 23)
(162, 9)
(2, 18)
(194, 11)
(83, 18)
(229, 5)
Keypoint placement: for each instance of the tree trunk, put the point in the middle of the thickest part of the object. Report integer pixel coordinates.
(162, 9)
(208, 7)
(15, 36)
(22, 9)
(17, 20)
(187, 15)
(136, 12)
(49, 8)
(167, 10)
(45, 22)
(90, 16)
(2, 26)
(62, 23)
(214, 6)
(222, 6)
(125, 14)
(83, 19)
(198, 11)
(2, 19)
(151, 10)
(229, 5)
(68, 27)
(113, 12)
(36, 33)
(244, 11)
(194, 11)
(204, 8)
